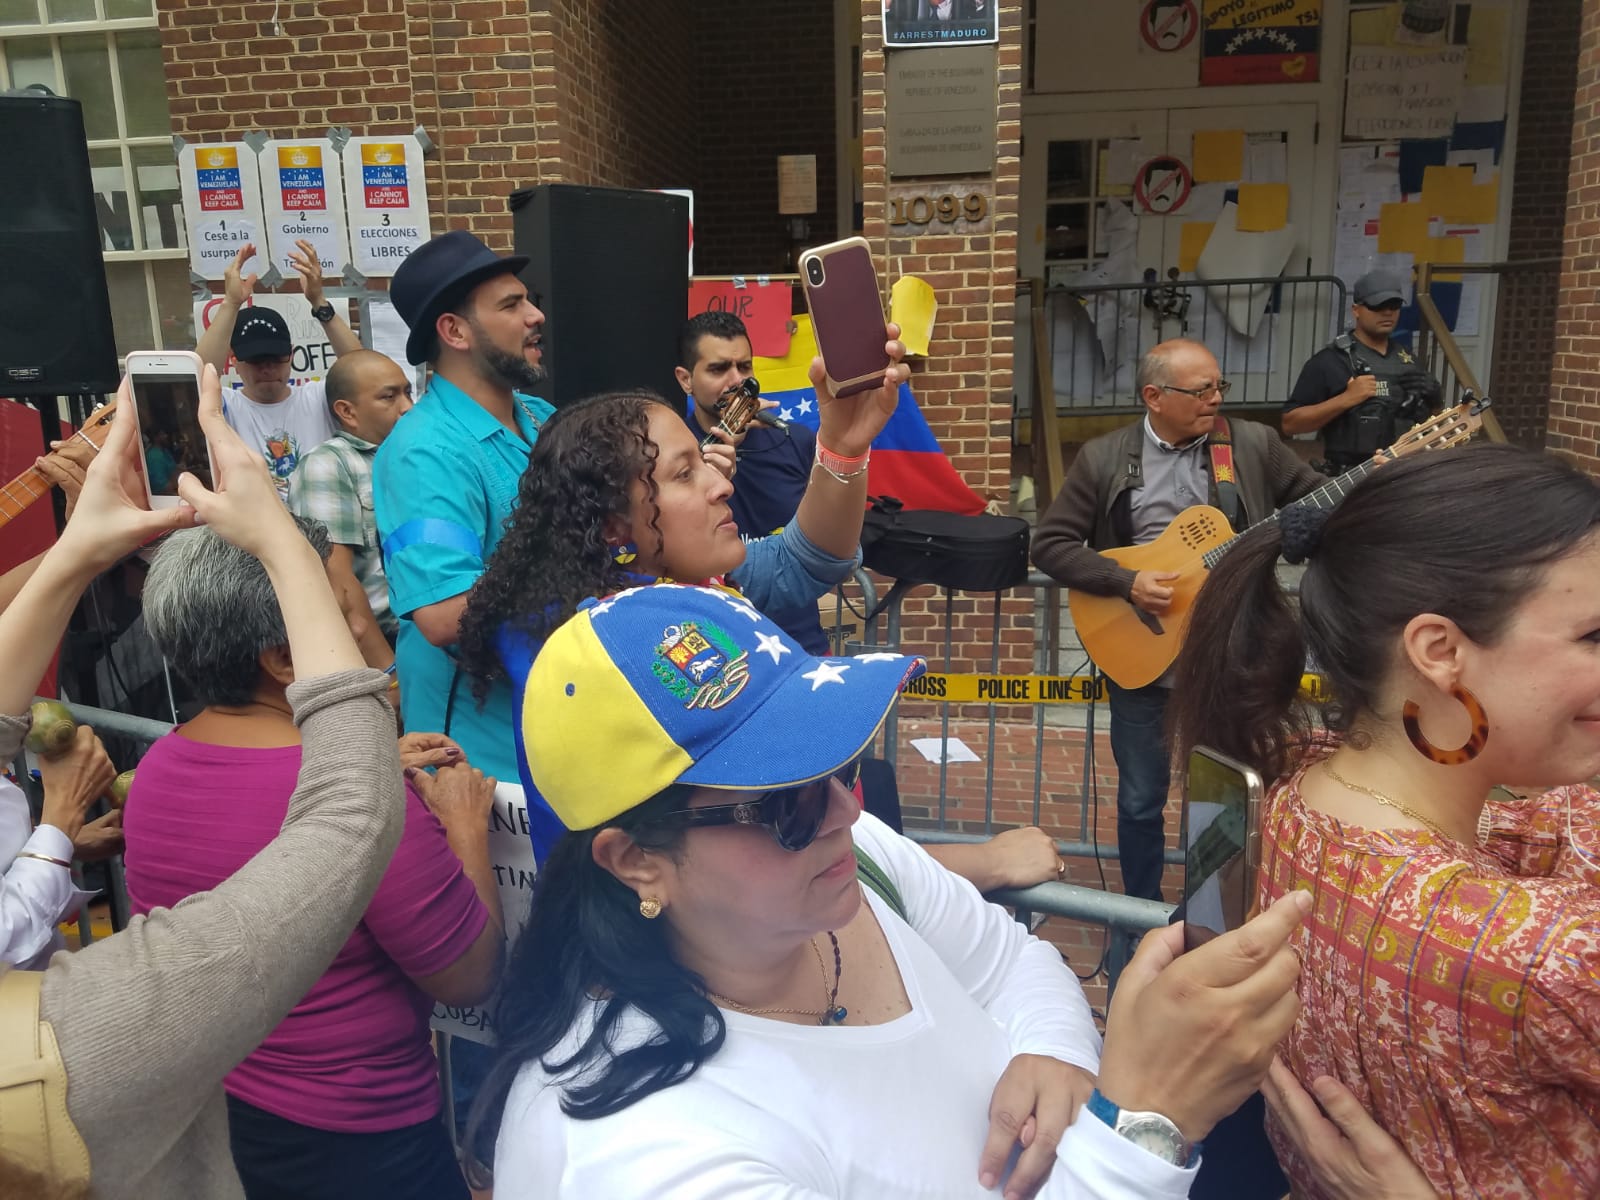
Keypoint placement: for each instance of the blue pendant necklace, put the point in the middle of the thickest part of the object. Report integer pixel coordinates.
(832, 1013)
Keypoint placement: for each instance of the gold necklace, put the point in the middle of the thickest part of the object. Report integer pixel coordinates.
(833, 1013)
(1387, 800)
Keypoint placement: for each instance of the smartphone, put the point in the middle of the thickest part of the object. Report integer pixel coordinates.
(166, 395)
(846, 306)
(1221, 844)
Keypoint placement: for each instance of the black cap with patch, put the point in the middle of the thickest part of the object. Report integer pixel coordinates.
(260, 333)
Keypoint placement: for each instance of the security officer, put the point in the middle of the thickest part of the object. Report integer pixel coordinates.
(1361, 389)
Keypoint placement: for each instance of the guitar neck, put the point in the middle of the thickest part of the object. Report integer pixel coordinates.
(1326, 496)
(17, 496)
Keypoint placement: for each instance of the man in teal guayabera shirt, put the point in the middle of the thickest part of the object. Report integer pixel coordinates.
(445, 480)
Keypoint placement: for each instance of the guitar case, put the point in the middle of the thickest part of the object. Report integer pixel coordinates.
(970, 554)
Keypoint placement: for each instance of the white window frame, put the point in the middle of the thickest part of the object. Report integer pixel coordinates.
(125, 146)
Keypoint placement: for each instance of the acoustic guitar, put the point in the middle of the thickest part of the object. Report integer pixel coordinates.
(19, 495)
(1134, 647)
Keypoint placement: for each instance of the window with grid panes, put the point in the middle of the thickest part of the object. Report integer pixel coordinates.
(107, 55)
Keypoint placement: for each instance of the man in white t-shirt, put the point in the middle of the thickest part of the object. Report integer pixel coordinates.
(280, 420)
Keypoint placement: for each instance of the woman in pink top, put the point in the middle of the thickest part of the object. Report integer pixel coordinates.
(342, 1099)
(1452, 953)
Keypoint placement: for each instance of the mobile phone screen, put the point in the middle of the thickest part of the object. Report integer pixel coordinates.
(169, 423)
(1216, 890)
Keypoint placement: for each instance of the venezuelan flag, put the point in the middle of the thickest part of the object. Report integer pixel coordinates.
(907, 460)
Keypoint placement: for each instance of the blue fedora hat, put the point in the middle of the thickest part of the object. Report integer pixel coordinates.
(436, 275)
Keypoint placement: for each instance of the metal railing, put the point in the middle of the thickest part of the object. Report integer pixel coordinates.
(1261, 329)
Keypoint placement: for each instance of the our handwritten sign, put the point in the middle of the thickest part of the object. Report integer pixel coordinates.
(511, 854)
(763, 307)
(1395, 93)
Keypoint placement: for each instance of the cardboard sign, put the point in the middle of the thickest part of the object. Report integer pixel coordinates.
(312, 356)
(221, 206)
(511, 855)
(763, 307)
(302, 194)
(388, 201)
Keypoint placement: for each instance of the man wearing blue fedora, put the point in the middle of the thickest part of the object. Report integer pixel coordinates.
(445, 480)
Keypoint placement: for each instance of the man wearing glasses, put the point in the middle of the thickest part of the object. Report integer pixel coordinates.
(1125, 488)
(280, 420)
(1363, 390)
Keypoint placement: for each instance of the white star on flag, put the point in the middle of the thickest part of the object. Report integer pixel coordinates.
(771, 643)
(603, 607)
(786, 414)
(826, 672)
(739, 606)
(805, 406)
(879, 657)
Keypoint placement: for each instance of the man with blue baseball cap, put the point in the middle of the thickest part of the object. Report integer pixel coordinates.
(445, 480)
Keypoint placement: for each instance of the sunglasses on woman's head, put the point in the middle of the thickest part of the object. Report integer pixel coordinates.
(793, 815)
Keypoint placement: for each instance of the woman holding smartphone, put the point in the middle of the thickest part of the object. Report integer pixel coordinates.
(1450, 603)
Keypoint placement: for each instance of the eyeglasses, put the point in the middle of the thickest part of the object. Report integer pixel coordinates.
(1220, 387)
(793, 815)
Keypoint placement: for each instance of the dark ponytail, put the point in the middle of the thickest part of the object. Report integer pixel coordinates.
(1236, 678)
(1466, 534)
(585, 940)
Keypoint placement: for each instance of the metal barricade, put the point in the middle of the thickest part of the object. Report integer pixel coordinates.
(1060, 663)
(1261, 329)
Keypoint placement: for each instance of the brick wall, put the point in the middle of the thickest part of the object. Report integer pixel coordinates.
(1525, 326)
(765, 83)
(964, 385)
(624, 83)
(1575, 380)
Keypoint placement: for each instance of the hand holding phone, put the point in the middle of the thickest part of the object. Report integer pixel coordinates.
(1221, 844)
(844, 299)
(166, 392)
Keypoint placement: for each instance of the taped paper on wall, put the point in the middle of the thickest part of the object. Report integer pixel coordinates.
(1218, 155)
(1263, 207)
(1232, 253)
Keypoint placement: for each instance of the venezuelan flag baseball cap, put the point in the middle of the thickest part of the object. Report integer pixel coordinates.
(677, 684)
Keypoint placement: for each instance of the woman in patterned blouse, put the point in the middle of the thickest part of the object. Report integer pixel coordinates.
(1452, 958)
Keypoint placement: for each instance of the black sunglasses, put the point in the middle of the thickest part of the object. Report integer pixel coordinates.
(792, 814)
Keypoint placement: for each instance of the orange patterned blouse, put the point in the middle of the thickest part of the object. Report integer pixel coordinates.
(1455, 991)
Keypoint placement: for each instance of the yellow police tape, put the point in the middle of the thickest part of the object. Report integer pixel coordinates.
(1038, 689)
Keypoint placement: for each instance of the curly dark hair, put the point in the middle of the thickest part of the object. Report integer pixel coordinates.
(554, 553)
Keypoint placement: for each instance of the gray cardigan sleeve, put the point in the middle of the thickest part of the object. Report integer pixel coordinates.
(151, 1019)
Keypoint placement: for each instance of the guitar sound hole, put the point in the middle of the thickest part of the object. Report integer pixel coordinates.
(1198, 532)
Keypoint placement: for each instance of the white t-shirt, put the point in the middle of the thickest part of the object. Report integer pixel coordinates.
(793, 1112)
(281, 433)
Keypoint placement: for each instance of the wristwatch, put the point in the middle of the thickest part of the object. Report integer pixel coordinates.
(323, 312)
(1148, 1130)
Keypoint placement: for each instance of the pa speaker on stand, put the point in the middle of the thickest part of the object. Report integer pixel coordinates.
(55, 310)
(610, 270)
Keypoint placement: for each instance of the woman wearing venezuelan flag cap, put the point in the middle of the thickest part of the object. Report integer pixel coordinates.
(707, 1001)
(618, 492)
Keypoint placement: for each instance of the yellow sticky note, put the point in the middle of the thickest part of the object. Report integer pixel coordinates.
(1441, 250)
(1402, 229)
(1479, 205)
(1445, 190)
(1263, 207)
(1486, 46)
(1374, 26)
(1218, 155)
(912, 306)
(1192, 239)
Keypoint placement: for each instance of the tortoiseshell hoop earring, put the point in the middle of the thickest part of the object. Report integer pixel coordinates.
(1410, 717)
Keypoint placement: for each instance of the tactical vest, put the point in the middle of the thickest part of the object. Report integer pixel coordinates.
(1358, 434)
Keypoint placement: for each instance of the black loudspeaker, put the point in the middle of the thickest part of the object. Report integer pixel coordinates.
(55, 312)
(610, 270)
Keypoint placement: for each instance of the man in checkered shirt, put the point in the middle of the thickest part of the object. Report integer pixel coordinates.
(367, 393)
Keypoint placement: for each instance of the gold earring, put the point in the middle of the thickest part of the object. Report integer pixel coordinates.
(649, 908)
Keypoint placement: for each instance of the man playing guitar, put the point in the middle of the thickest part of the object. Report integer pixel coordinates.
(1125, 488)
